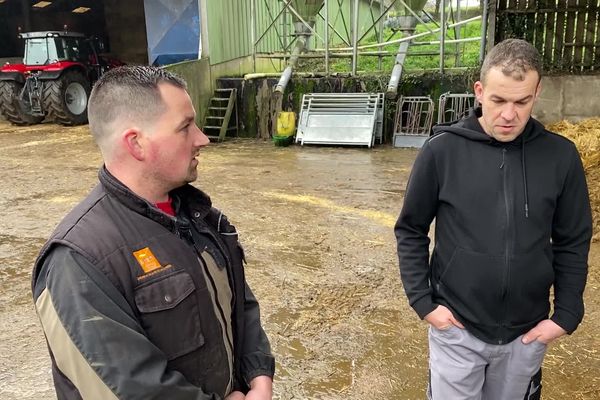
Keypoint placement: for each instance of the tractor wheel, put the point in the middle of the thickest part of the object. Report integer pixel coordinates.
(66, 98)
(12, 108)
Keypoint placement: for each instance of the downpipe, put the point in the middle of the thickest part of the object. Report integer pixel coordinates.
(299, 48)
(407, 26)
(392, 88)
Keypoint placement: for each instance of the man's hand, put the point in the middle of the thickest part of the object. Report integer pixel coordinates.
(235, 396)
(442, 318)
(546, 331)
(261, 388)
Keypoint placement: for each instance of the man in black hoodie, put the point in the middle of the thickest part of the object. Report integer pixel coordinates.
(512, 220)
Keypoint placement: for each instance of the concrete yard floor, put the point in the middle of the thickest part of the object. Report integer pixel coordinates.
(316, 223)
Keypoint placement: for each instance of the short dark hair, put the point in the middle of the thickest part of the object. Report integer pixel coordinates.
(515, 57)
(128, 92)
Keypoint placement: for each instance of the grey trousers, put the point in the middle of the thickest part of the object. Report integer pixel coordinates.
(463, 367)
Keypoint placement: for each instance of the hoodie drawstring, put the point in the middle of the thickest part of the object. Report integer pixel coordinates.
(523, 166)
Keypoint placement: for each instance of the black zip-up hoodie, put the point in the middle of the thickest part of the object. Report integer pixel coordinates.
(511, 221)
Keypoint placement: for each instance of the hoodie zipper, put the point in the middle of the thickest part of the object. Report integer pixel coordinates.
(507, 241)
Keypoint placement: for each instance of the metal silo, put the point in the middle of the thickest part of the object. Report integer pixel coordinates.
(304, 12)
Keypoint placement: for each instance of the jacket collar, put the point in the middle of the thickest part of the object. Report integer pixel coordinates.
(187, 198)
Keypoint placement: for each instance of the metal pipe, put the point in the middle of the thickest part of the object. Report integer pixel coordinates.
(326, 25)
(457, 34)
(442, 35)
(260, 75)
(355, 37)
(407, 38)
(392, 88)
(380, 35)
(299, 47)
(253, 33)
(285, 30)
(483, 31)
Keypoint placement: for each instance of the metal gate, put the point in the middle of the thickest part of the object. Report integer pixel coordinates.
(454, 106)
(341, 119)
(414, 116)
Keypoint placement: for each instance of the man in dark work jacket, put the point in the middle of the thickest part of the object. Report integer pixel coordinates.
(141, 290)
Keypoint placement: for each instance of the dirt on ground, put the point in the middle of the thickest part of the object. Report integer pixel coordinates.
(316, 224)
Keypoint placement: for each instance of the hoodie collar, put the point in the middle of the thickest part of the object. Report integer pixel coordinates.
(470, 128)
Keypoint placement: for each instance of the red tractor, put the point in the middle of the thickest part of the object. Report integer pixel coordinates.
(55, 79)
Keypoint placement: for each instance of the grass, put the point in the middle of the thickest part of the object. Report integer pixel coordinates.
(468, 52)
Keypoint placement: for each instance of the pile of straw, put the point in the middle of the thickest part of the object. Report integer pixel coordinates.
(586, 136)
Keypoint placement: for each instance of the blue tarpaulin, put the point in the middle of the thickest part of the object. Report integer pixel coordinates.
(173, 30)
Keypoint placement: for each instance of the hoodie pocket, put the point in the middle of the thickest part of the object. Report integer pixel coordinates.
(531, 277)
(169, 314)
(472, 285)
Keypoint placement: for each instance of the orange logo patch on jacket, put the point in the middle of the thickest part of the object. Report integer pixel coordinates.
(146, 259)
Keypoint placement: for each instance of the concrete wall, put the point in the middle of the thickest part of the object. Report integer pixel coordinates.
(197, 74)
(568, 97)
(201, 78)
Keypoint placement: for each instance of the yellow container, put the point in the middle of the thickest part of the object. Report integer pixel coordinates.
(286, 123)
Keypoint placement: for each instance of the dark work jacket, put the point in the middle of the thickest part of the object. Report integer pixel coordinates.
(511, 221)
(149, 331)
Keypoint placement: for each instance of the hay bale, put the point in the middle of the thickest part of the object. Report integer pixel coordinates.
(586, 136)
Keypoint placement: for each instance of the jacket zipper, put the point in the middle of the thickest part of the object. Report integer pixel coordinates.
(224, 318)
(506, 275)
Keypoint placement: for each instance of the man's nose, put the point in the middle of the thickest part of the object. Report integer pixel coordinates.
(509, 112)
(201, 138)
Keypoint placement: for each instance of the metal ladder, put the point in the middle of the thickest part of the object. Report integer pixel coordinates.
(222, 105)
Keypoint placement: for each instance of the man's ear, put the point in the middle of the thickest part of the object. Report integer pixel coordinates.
(133, 143)
(478, 89)
(538, 90)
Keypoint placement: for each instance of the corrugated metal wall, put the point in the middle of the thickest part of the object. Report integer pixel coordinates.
(340, 17)
(229, 26)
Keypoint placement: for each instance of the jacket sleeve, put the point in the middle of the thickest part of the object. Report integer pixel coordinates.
(257, 358)
(95, 339)
(571, 235)
(418, 211)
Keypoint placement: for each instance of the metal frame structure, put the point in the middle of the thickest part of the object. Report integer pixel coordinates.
(453, 106)
(414, 117)
(450, 18)
(354, 119)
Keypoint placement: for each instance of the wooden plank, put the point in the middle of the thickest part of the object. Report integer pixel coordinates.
(491, 31)
(530, 23)
(550, 36)
(539, 26)
(580, 26)
(510, 22)
(590, 30)
(597, 44)
(569, 37)
(499, 20)
(559, 40)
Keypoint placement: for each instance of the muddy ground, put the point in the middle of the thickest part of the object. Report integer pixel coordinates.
(317, 227)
